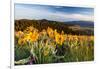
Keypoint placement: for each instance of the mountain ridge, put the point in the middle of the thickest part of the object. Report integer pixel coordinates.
(80, 23)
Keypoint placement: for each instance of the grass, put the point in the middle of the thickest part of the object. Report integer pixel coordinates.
(49, 46)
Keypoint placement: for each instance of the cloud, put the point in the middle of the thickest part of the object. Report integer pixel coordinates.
(76, 16)
(82, 17)
(22, 12)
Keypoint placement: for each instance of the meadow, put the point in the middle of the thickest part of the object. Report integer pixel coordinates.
(48, 45)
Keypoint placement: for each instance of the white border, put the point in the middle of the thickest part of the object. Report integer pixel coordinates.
(81, 3)
(78, 3)
(12, 35)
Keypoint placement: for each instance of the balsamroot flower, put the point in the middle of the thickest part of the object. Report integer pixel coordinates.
(32, 36)
(21, 41)
(50, 32)
(60, 38)
(19, 34)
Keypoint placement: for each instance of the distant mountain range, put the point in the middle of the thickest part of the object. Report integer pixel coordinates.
(81, 23)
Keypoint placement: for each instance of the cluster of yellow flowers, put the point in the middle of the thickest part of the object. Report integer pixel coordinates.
(59, 38)
(31, 34)
(79, 38)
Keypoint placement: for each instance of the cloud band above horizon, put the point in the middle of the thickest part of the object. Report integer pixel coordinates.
(55, 13)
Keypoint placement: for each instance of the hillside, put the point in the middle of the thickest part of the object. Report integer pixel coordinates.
(44, 24)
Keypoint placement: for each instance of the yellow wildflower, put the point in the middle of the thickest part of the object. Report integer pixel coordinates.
(57, 38)
(19, 34)
(32, 36)
(60, 38)
(63, 38)
(21, 41)
(50, 32)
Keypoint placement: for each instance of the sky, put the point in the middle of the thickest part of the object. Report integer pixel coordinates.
(54, 13)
